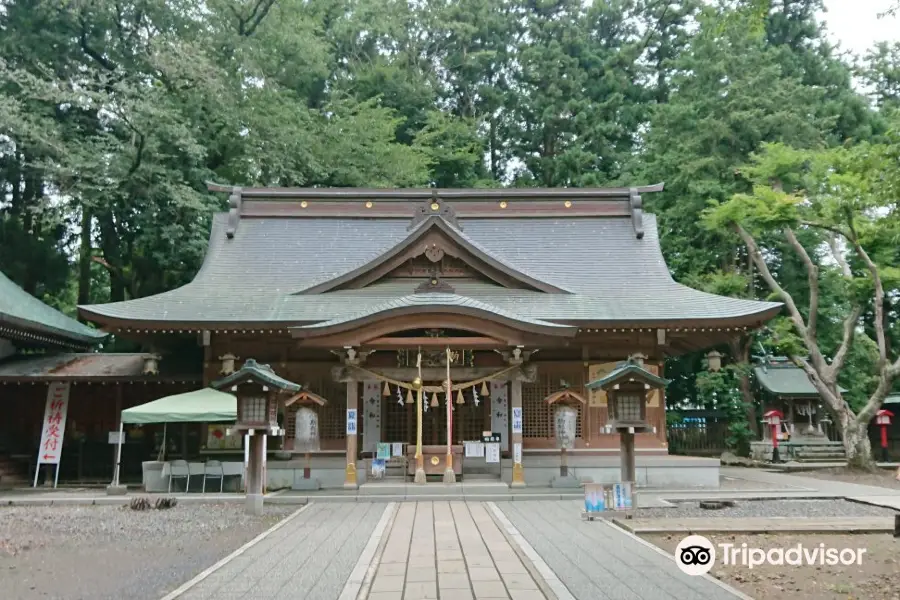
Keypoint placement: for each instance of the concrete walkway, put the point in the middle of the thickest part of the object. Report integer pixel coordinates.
(447, 551)
(597, 561)
(309, 557)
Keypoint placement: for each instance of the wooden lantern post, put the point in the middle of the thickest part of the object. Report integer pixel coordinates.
(628, 388)
(257, 388)
(307, 399)
(565, 402)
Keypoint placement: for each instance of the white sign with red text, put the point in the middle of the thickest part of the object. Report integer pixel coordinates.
(50, 450)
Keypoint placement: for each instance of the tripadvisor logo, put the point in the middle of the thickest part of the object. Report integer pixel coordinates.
(696, 555)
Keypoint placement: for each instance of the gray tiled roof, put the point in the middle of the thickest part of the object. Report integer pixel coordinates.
(252, 369)
(255, 277)
(520, 272)
(624, 369)
(21, 310)
(786, 380)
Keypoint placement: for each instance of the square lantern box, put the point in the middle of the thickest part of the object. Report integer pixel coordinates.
(257, 388)
(628, 406)
(257, 409)
(628, 389)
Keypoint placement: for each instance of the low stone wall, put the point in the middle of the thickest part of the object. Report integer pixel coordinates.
(651, 471)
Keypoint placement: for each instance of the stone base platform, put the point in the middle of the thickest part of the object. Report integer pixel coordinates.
(541, 467)
(759, 525)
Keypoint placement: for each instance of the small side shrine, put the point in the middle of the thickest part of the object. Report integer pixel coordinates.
(258, 390)
(566, 403)
(628, 388)
(802, 434)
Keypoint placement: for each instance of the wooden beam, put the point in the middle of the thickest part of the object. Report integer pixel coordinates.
(430, 342)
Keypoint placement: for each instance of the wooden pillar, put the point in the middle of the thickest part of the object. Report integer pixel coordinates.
(115, 447)
(420, 458)
(350, 481)
(515, 402)
(255, 474)
(449, 473)
(627, 455)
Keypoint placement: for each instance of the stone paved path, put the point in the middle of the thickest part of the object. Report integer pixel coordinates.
(449, 550)
(597, 561)
(308, 558)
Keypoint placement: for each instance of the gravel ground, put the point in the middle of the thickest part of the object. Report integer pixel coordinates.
(876, 578)
(770, 508)
(882, 478)
(100, 552)
(737, 484)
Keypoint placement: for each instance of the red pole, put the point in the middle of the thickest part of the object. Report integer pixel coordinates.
(774, 435)
(884, 443)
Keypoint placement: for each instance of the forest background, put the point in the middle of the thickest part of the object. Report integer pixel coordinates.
(114, 114)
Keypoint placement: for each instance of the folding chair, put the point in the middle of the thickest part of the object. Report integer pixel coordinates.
(214, 470)
(179, 469)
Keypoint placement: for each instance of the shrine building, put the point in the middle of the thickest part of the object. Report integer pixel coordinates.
(352, 293)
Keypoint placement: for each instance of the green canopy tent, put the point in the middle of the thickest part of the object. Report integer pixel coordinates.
(200, 405)
(204, 405)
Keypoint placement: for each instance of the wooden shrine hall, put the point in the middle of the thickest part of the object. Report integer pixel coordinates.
(369, 299)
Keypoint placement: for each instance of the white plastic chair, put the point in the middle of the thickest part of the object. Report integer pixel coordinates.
(178, 469)
(214, 470)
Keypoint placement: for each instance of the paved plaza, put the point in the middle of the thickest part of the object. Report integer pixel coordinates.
(447, 550)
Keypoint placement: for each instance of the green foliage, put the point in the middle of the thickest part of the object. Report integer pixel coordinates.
(114, 115)
(721, 390)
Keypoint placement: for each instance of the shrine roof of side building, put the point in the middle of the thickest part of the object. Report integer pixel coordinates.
(301, 257)
(29, 322)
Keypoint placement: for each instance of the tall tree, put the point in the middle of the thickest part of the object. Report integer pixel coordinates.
(847, 197)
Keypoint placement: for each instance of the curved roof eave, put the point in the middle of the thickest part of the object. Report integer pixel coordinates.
(434, 303)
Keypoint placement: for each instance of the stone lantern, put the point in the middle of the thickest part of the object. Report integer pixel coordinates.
(258, 391)
(628, 388)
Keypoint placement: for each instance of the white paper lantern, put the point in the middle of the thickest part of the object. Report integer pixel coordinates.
(306, 436)
(566, 419)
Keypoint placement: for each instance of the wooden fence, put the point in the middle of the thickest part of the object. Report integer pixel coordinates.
(698, 433)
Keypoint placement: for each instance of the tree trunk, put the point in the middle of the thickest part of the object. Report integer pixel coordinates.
(84, 257)
(856, 443)
(109, 244)
(740, 350)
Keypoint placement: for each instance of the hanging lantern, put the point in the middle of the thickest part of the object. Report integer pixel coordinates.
(485, 391)
(459, 397)
(387, 389)
(409, 397)
(434, 400)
